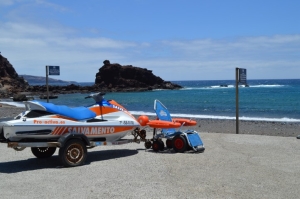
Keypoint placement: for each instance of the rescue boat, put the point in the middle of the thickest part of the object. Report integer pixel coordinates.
(106, 120)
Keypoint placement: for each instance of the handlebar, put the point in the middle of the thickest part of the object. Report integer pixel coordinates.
(96, 96)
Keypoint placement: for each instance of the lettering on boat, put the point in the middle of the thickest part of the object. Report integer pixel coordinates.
(92, 130)
(117, 107)
(127, 122)
(48, 122)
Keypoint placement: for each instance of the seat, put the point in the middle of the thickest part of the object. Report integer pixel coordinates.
(77, 113)
(162, 113)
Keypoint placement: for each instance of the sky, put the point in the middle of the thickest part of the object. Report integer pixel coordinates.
(176, 39)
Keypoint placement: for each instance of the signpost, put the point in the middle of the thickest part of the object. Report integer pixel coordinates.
(51, 70)
(240, 78)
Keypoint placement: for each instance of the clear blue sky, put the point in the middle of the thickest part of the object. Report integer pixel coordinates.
(176, 39)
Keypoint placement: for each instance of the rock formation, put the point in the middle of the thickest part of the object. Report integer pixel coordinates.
(110, 78)
(10, 82)
(115, 76)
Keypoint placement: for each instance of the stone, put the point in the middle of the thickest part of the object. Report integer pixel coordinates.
(19, 98)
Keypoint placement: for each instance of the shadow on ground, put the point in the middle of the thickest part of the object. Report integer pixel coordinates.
(54, 162)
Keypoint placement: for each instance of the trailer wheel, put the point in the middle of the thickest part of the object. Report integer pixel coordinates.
(148, 144)
(161, 145)
(169, 143)
(179, 143)
(43, 152)
(158, 145)
(73, 153)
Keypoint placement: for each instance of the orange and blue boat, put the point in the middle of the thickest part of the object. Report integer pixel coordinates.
(46, 126)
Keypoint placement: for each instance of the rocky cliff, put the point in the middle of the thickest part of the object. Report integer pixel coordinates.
(115, 76)
(10, 81)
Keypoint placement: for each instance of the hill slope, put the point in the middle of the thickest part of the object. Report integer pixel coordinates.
(42, 80)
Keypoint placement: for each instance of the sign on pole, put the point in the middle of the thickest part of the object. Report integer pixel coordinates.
(240, 78)
(54, 70)
(51, 70)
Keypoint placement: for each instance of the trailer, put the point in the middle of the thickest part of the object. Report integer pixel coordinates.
(72, 147)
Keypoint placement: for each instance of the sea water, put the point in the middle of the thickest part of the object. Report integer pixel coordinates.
(265, 100)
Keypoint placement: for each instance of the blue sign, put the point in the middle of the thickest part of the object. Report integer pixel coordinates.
(53, 70)
(242, 76)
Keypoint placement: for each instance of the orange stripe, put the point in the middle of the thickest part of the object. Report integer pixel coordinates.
(53, 132)
(61, 130)
(103, 110)
(56, 132)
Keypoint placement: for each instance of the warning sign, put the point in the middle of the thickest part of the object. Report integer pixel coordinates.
(53, 70)
(242, 76)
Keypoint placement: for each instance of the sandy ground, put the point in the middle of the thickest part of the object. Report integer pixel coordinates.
(232, 166)
(252, 164)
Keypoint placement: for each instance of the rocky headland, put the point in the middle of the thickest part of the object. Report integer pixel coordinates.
(10, 82)
(110, 78)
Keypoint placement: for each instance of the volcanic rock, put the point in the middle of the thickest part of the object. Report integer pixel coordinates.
(19, 98)
(110, 78)
(10, 81)
(115, 76)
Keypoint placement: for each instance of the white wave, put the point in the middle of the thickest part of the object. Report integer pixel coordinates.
(232, 86)
(284, 119)
(208, 87)
(266, 86)
(142, 113)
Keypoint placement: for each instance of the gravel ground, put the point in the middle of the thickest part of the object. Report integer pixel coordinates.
(232, 166)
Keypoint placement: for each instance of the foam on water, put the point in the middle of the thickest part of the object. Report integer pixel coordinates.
(285, 119)
(221, 117)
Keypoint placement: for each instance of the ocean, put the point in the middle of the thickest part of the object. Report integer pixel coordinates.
(263, 100)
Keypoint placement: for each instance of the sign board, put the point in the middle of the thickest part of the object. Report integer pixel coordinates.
(242, 76)
(53, 70)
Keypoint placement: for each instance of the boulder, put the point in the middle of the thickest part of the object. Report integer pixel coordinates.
(19, 98)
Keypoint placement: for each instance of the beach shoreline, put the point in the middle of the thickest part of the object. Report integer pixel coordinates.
(269, 128)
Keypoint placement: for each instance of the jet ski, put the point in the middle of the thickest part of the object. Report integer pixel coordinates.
(106, 120)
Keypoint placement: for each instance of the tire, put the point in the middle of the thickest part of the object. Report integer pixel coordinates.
(158, 145)
(73, 153)
(161, 145)
(169, 144)
(179, 143)
(148, 144)
(43, 152)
